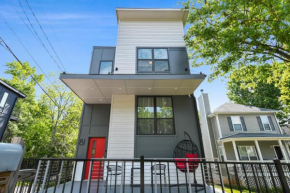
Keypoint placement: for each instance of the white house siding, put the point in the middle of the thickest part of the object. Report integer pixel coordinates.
(133, 34)
(121, 129)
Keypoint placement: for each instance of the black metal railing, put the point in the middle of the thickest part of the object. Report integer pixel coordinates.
(153, 175)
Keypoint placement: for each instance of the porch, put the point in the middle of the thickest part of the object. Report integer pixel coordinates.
(142, 175)
(254, 147)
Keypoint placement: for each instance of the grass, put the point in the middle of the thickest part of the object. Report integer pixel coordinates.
(228, 190)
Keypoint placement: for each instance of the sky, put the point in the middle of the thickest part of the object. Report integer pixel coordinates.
(73, 27)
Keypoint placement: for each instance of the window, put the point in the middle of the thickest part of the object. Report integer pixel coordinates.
(221, 152)
(236, 121)
(106, 67)
(3, 100)
(265, 123)
(152, 60)
(247, 153)
(155, 116)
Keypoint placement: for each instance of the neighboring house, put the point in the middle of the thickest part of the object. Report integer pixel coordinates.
(8, 98)
(241, 133)
(138, 95)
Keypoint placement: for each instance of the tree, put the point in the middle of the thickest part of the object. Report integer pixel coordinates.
(237, 35)
(259, 86)
(230, 34)
(63, 119)
(48, 130)
(30, 125)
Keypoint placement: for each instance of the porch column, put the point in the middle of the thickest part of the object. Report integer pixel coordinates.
(224, 152)
(258, 150)
(236, 150)
(283, 150)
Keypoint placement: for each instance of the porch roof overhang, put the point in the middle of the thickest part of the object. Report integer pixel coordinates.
(254, 136)
(152, 14)
(98, 89)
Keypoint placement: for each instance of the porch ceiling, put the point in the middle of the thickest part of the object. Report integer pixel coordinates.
(98, 89)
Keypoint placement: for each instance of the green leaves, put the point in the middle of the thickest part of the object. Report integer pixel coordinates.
(47, 130)
(265, 86)
(231, 33)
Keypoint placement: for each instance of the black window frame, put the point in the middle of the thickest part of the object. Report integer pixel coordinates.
(106, 61)
(153, 60)
(155, 116)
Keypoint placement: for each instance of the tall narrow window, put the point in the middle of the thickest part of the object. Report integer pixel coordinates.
(265, 122)
(106, 67)
(152, 60)
(164, 115)
(155, 116)
(4, 99)
(237, 123)
(146, 115)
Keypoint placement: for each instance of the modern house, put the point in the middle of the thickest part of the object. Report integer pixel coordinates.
(138, 96)
(8, 98)
(241, 133)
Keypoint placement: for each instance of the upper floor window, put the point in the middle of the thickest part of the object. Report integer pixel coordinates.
(152, 60)
(265, 123)
(155, 116)
(237, 125)
(4, 99)
(106, 67)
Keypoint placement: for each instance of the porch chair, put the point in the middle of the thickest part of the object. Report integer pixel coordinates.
(186, 156)
(113, 170)
(158, 170)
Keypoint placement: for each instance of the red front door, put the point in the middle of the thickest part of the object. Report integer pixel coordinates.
(96, 150)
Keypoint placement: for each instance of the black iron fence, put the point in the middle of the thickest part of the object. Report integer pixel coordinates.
(152, 175)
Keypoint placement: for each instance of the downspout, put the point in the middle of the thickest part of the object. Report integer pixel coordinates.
(198, 125)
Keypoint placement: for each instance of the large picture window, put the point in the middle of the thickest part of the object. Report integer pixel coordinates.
(155, 116)
(247, 153)
(152, 60)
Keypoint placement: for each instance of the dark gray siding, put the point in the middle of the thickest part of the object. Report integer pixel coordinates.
(163, 146)
(178, 61)
(101, 54)
(94, 123)
(6, 111)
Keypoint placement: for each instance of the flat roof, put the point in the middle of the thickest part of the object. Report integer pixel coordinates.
(98, 89)
(20, 94)
(152, 14)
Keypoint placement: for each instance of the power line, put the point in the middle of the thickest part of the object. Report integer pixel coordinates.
(38, 38)
(8, 48)
(45, 35)
(22, 20)
(28, 52)
(60, 45)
